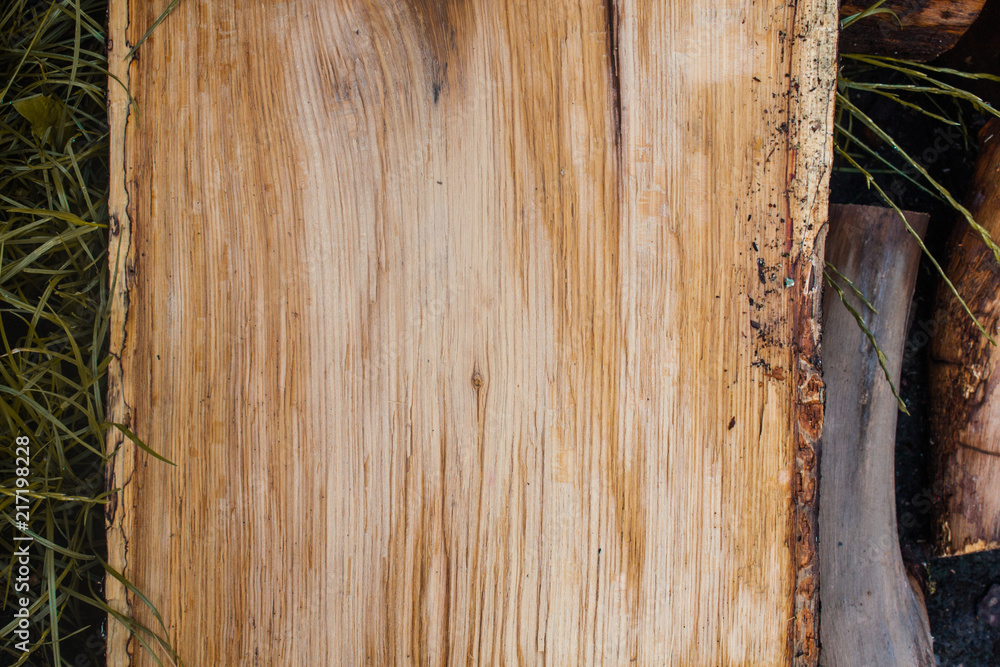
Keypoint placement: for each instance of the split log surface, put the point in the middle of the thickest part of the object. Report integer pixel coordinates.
(871, 613)
(921, 30)
(480, 332)
(965, 373)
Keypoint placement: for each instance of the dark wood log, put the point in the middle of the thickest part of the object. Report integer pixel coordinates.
(977, 52)
(871, 613)
(920, 30)
(965, 380)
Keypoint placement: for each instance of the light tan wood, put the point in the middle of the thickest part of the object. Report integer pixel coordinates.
(481, 332)
(871, 613)
(918, 30)
(965, 373)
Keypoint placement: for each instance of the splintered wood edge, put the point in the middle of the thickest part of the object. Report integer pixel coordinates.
(122, 461)
(812, 84)
(812, 81)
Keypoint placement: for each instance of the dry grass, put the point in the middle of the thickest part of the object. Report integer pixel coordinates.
(53, 324)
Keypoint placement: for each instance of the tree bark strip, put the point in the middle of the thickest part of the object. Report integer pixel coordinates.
(871, 613)
(965, 373)
(481, 332)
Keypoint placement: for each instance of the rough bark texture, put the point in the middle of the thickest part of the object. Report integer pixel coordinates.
(965, 380)
(921, 29)
(871, 613)
(481, 332)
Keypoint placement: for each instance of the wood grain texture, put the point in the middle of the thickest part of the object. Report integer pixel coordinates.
(481, 332)
(965, 373)
(918, 30)
(871, 613)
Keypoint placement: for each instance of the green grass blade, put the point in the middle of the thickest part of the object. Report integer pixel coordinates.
(882, 361)
(159, 19)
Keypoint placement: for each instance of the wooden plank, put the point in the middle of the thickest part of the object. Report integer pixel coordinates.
(480, 331)
(871, 613)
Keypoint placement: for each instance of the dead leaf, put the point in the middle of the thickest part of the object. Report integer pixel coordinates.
(47, 115)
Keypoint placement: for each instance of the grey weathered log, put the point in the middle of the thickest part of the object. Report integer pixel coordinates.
(871, 613)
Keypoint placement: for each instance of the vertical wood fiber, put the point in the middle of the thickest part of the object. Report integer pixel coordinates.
(481, 332)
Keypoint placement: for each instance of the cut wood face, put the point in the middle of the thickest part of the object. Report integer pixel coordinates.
(479, 331)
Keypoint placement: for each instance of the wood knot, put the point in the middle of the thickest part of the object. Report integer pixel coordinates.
(477, 380)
